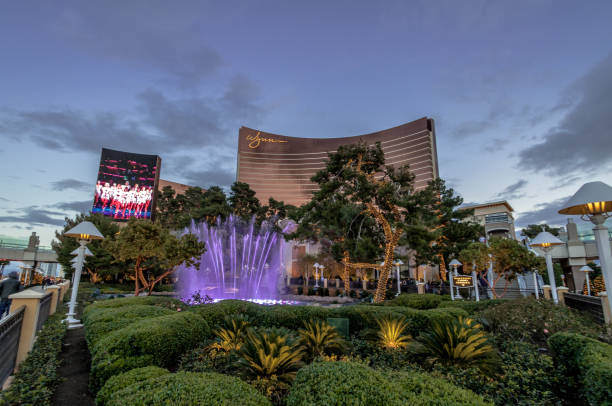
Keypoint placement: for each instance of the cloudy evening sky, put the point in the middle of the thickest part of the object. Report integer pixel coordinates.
(521, 91)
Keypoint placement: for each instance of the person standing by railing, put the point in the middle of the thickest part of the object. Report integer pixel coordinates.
(7, 287)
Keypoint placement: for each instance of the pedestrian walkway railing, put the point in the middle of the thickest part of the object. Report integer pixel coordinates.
(588, 304)
(10, 331)
(43, 311)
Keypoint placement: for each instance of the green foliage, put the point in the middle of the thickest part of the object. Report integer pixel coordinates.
(121, 381)
(350, 383)
(509, 258)
(471, 307)
(102, 260)
(153, 248)
(527, 377)
(158, 341)
(102, 321)
(203, 359)
(460, 342)
(231, 337)
(586, 365)
(532, 230)
(188, 388)
(339, 384)
(318, 338)
(268, 355)
(163, 301)
(534, 321)
(418, 389)
(36, 378)
(391, 333)
(421, 302)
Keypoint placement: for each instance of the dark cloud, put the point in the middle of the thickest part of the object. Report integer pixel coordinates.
(514, 191)
(498, 113)
(581, 141)
(35, 216)
(3, 199)
(544, 213)
(83, 206)
(74, 184)
(209, 177)
(162, 125)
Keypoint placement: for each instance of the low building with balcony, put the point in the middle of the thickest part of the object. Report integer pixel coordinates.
(495, 217)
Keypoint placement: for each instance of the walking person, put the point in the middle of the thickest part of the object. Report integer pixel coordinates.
(7, 287)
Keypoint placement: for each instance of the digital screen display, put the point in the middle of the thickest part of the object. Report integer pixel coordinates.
(126, 185)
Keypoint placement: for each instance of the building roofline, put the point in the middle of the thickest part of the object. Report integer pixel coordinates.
(488, 204)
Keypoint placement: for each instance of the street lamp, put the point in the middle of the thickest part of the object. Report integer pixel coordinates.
(316, 267)
(454, 264)
(398, 263)
(587, 269)
(84, 233)
(593, 202)
(546, 241)
(74, 260)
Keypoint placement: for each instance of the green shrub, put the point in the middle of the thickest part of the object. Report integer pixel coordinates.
(586, 364)
(162, 340)
(423, 389)
(164, 301)
(528, 377)
(535, 321)
(215, 313)
(121, 381)
(339, 384)
(36, 378)
(189, 388)
(102, 321)
(290, 317)
(203, 359)
(421, 302)
(472, 307)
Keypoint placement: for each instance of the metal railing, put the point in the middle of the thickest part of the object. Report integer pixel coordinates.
(588, 304)
(43, 311)
(10, 330)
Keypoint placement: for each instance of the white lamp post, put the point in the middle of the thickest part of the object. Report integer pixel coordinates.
(593, 202)
(84, 233)
(587, 269)
(316, 267)
(546, 241)
(321, 267)
(535, 284)
(454, 264)
(398, 263)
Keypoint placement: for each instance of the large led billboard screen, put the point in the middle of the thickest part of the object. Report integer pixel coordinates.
(126, 185)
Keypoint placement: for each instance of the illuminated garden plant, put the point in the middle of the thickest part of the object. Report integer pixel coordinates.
(320, 338)
(391, 333)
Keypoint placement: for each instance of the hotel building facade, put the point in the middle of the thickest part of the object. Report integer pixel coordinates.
(280, 167)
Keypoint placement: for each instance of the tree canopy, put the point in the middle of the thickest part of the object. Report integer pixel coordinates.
(532, 230)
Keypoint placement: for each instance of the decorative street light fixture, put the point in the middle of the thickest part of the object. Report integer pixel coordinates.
(316, 267)
(74, 260)
(593, 202)
(321, 267)
(398, 263)
(587, 269)
(546, 241)
(454, 264)
(84, 233)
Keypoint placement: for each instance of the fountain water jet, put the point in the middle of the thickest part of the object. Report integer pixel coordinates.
(242, 261)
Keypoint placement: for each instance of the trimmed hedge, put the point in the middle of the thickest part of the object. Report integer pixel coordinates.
(164, 301)
(586, 364)
(349, 383)
(423, 389)
(189, 388)
(158, 341)
(122, 381)
(102, 321)
(36, 378)
(421, 302)
(472, 306)
(340, 384)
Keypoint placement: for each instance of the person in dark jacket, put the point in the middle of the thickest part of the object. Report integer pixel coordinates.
(7, 287)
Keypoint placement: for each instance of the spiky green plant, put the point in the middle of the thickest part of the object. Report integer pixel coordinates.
(460, 342)
(268, 356)
(319, 338)
(232, 336)
(391, 333)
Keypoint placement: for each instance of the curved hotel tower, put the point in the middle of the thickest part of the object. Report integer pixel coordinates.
(281, 167)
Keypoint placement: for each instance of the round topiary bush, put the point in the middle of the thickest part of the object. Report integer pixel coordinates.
(189, 388)
(421, 302)
(341, 383)
(121, 381)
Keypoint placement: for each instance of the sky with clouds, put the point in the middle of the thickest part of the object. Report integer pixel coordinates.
(520, 91)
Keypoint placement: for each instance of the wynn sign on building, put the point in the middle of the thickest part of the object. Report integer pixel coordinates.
(281, 167)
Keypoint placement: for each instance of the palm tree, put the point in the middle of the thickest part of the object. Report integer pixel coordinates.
(268, 356)
(232, 336)
(460, 342)
(320, 338)
(391, 333)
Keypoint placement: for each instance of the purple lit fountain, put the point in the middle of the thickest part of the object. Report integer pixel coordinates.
(242, 261)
